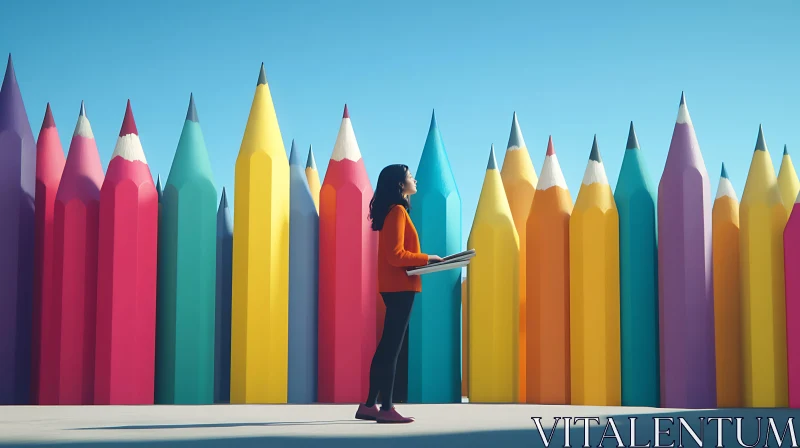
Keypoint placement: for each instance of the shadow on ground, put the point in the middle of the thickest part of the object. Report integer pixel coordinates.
(740, 427)
(225, 425)
(497, 439)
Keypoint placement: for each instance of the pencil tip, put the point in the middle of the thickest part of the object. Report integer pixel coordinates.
(492, 165)
(550, 149)
(761, 144)
(633, 141)
(595, 154)
(262, 76)
(191, 111)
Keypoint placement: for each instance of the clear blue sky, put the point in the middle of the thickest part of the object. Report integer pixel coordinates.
(570, 69)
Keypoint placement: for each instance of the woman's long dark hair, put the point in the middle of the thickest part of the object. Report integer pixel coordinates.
(388, 193)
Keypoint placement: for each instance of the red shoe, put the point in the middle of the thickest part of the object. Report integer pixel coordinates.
(392, 416)
(367, 413)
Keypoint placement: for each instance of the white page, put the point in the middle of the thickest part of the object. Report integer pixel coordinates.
(465, 254)
(437, 267)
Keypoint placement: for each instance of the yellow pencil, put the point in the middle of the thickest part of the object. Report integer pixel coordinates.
(493, 289)
(788, 182)
(260, 290)
(762, 221)
(595, 363)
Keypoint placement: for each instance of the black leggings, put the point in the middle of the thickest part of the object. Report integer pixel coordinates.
(384, 363)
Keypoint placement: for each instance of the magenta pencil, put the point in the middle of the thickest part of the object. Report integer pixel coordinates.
(791, 264)
(126, 277)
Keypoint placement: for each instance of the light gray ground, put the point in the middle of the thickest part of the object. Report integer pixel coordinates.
(461, 425)
(173, 423)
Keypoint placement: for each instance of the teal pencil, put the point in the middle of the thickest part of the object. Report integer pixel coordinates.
(434, 332)
(187, 274)
(638, 257)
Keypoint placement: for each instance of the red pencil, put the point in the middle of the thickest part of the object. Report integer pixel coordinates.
(126, 276)
(348, 253)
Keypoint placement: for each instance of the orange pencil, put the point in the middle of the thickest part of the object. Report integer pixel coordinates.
(727, 295)
(519, 182)
(547, 268)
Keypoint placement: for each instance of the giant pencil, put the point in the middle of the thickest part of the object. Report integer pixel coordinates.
(68, 347)
(727, 295)
(312, 176)
(464, 339)
(303, 284)
(17, 242)
(49, 166)
(547, 268)
(159, 280)
(791, 257)
(126, 275)
(638, 263)
(594, 307)
(519, 181)
(348, 250)
(187, 265)
(685, 284)
(434, 331)
(493, 288)
(788, 183)
(222, 334)
(260, 297)
(762, 222)
(160, 192)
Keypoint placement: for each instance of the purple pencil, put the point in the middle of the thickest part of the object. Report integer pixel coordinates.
(17, 186)
(685, 283)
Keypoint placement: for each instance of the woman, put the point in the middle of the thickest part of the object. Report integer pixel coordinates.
(398, 249)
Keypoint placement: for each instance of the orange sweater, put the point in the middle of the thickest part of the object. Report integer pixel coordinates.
(398, 249)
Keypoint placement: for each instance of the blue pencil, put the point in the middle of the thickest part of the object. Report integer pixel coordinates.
(434, 333)
(222, 349)
(303, 284)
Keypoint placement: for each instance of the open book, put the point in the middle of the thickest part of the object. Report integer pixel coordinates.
(466, 255)
(455, 261)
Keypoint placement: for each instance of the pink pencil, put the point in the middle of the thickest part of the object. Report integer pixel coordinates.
(126, 275)
(49, 165)
(791, 266)
(68, 365)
